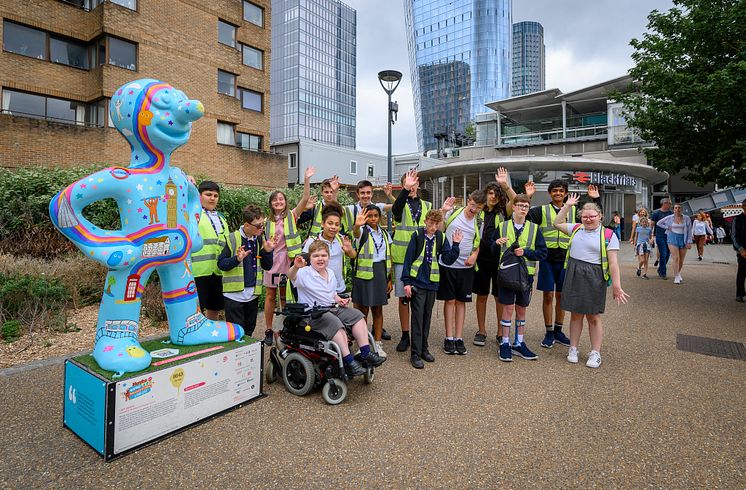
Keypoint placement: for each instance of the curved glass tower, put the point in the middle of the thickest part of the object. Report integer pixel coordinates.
(460, 58)
(528, 58)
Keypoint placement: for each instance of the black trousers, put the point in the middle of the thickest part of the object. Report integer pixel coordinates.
(741, 277)
(243, 314)
(421, 305)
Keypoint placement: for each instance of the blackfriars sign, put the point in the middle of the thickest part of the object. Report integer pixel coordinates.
(603, 178)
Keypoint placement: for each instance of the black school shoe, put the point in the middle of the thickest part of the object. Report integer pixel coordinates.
(373, 359)
(354, 368)
(403, 344)
(427, 357)
(416, 361)
(385, 335)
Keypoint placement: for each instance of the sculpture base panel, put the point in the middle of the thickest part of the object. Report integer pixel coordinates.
(178, 390)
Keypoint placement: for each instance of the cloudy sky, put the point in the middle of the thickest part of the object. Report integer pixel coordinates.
(587, 41)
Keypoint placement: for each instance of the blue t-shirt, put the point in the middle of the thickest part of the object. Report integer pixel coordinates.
(643, 234)
(659, 214)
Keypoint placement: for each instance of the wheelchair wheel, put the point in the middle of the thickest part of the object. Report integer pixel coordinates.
(298, 374)
(335, 395)
(369, 375)
(270, 375)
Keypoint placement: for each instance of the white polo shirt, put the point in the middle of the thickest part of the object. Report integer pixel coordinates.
(314, 289)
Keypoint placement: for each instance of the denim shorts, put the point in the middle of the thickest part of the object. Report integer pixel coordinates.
(677, 240)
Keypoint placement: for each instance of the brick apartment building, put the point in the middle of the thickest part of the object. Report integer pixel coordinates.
(62, 60)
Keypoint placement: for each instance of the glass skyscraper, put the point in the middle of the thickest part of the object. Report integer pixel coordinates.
(528, 58)
(313, 72)
(460, 59)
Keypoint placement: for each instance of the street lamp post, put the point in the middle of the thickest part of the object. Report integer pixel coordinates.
(389, 80)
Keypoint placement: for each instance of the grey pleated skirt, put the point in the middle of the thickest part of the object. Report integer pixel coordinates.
(372, 292)
(584, 290)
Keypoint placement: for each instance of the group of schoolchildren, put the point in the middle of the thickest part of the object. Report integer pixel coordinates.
(447, 254)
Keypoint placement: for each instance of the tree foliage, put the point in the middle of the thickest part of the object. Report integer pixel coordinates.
(690, 70)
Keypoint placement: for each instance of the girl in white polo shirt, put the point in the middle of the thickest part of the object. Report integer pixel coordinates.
(317, 286)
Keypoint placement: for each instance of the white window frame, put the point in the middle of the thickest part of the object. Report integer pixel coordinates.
(351, 166)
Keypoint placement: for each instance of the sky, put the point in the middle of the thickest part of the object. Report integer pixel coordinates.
(587, 41)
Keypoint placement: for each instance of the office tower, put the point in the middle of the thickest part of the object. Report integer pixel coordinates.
(459, 57)
(313, 72)
(528, 58)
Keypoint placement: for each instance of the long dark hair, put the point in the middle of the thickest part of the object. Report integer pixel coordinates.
(502, 198)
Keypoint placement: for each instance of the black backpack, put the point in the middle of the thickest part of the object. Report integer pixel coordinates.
(512, 272)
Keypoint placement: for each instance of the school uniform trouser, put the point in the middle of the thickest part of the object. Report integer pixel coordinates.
(421, 304)
(741, 277)
(242, 313)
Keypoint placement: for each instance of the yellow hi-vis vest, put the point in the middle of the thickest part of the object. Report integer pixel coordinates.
(434, 266)
(292, 237)
(554, 237)
(405, 229)
(316, 221)
(205, 261)
(527, 239)
(364, 261)
(605, 238)
(233, 279)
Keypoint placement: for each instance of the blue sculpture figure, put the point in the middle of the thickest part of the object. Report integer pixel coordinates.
(159, 211)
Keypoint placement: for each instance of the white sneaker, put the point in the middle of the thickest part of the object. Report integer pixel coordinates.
(572, 355)
(594, 359)
(677, 280)
(379, 348)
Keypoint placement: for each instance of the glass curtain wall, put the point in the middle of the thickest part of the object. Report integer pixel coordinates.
(313, 72)
(460, 58)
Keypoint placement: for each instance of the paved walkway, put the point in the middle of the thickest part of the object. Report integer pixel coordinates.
(651, 416)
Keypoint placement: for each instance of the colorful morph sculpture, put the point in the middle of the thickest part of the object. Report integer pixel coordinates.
(159, 211)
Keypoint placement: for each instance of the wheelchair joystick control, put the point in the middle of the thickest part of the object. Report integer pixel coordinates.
(308, 328)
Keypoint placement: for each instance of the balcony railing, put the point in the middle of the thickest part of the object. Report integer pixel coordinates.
(616, 135)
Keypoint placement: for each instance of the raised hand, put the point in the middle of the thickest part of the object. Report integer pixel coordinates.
(241, 253)
(620, 296)
(502, 176)
(311, 202)
(530, 188)
(346, 244)
(270, 243)
(334, 182)
(361, 218)
(299, 262)
(388, 189)
(572, 199)
(410, 180)
(593, 192)
(457, 236)
(448, 204)
(310, 171)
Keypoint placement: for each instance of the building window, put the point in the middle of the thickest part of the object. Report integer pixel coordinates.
(253, 13)
(122, 53)
(226, 83)
(249, 141)
(252, 57)
(292, 160)
(129, 4)
(226, 33)
(24, 40)
(54, 109)
(353, 167)
(68, 52)
(251, 100)
(371, 170)
(226, 134)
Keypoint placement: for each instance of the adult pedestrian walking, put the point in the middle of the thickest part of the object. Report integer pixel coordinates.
(738, 235)
(659, 235)
(678, 230)
(720, 234)
(591, 262)
(701, 231)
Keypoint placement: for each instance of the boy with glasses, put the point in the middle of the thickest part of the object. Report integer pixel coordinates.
(245, 256)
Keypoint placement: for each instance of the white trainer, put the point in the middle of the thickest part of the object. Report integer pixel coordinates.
(594, 359)
(572, 355)
(379, 348)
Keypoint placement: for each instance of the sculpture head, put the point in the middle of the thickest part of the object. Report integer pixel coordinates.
(154, 118)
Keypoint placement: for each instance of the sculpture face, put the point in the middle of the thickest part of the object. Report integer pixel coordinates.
(153, 116)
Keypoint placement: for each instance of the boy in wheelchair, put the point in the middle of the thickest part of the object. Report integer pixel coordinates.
(317, 286)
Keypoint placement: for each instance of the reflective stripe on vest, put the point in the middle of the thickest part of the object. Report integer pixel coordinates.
(233, 281)
(292, 237)
(316, 222)
(434, 266)
(605, 238)
(405, 230)
(364, 264)
(524, 240)
(205, 261)
(554, 237)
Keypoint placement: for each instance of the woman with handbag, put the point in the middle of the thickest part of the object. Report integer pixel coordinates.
(521, 245)
(591, 263)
